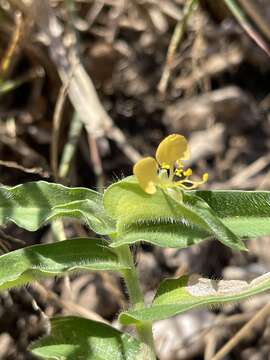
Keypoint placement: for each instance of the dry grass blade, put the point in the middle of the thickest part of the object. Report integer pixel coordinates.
(82, 92)
(247, 26)
(96, 162)
(56, 126)
(5, 63)
(81, 89)
(175, 41)
(255, 14)
(70, 146)
(242, 333)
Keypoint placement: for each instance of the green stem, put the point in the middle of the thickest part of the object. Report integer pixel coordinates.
(144, 328)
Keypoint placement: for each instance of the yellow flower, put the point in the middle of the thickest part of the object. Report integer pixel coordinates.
(167, 166)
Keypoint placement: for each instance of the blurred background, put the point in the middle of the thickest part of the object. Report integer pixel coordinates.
(89, 86)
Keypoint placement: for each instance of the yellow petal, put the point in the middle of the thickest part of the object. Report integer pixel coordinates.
(188, 172)
(205, 177)
(174, 147)
(145, 171)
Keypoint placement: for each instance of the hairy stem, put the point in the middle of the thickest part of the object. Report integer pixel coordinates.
(144, 328)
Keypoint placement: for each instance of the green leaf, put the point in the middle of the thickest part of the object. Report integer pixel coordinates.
(33, 262)
(78, 338)
(127, 203)
(246, 213)
(178, 235)
(211, 222)
(33, 204)
(150, 218)
(179, 295)
(182, 218)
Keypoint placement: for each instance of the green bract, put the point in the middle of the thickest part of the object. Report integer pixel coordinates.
(173, 220)
(132, 209)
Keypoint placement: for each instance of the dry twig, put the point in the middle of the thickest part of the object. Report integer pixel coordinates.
(250, 171)
(34, 170)
(242, 333)
(68, 305)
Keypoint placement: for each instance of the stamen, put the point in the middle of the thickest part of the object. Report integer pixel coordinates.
(165, 166)
(205, 177)
(179, 172)
(168, 164)
(188, 172)
(191, 184)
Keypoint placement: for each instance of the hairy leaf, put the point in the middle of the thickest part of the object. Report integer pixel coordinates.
(127, 203)
(33, 204)
(33, 262)
(141, 215)
(78, 338)
(179, 295)
(151, 218)
(210, 221)
(246, 213)
(178, 235)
